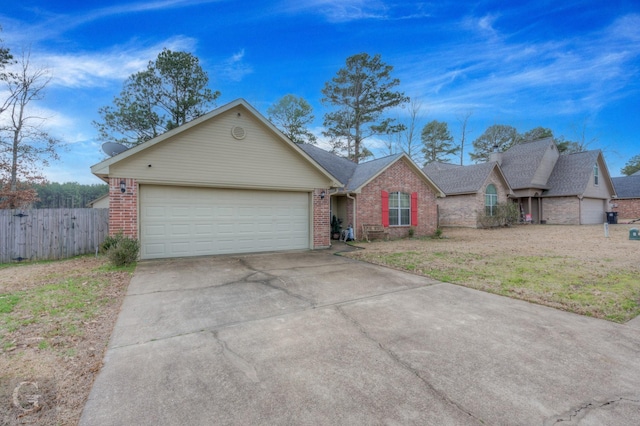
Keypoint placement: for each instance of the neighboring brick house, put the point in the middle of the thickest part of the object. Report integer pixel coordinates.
(627, 202)
(548, 187)
(470, 191)
(391, 191)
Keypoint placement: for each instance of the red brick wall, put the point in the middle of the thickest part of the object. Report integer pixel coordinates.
(321, 219)
(123, 208)
(399, 177)
(628, 209)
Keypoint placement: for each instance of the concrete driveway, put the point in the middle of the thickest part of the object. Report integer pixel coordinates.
(314, 338)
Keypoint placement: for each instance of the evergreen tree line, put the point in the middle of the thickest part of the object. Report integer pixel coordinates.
(67, 195)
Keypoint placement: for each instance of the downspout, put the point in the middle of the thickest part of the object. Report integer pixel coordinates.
(353, 215)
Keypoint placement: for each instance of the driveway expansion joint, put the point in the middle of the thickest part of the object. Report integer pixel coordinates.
(403, 364)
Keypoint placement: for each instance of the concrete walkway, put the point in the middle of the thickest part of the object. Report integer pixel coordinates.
(313, 338)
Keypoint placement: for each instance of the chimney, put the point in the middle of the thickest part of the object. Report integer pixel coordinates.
(495, 155)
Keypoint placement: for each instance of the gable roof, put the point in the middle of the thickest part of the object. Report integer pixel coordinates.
(572, 172)
(521, 162)
(456, 180)
(627, 186)
(102, 169)
(338, 166)
(536, 164)
(355, 176)
(368, 170)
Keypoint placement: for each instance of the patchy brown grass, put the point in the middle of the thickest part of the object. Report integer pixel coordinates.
(55, 322)
(574, 268)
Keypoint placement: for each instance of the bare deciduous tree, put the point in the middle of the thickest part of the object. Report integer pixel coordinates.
(24, 145)
(464, 121)
(411, 135)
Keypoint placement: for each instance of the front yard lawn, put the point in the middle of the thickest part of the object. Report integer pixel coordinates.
(55, 322)
(574, 268)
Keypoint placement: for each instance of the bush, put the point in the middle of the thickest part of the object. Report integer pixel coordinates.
(506, 214)
(110, 241)
(121, 250)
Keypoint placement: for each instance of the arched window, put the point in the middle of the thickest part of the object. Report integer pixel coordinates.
(490, 200)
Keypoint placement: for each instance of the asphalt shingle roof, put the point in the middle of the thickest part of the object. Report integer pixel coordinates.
(365, 171)
(627, 186)
(571, 174)
(521, 166)
(352, 175)
(521, 162)
(339, 167)
(454, 179)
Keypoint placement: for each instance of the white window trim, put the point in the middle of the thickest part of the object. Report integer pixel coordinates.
(399, 209)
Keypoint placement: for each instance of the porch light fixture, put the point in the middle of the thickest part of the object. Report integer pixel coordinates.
(322, 194)
(123, 186)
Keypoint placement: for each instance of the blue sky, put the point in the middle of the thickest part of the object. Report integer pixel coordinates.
(570, 66)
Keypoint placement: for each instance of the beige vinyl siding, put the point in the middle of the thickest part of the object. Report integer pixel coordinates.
(190, 221)
(603, 188)
(546, 166)
(101, 203)
(208, 154)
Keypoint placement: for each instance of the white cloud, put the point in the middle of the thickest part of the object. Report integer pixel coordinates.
(99, 69)
(339, 11)
(233, 68)
(50, 25)
(495, 73)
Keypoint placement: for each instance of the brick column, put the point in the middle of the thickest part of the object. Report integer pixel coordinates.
(321, 221)
(123, 207)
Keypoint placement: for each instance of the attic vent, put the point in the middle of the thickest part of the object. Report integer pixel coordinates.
(238, 132)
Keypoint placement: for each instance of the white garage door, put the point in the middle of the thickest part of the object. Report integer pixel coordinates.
(592, 211)
(183, 221)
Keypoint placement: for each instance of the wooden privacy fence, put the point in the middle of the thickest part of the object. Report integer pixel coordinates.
(39, 234)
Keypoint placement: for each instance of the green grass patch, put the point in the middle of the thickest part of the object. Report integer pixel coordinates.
(8, 301)
(58, 308)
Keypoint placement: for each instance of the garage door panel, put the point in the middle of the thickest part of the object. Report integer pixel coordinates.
(204, 229)
(154, 250)
(202, 212)
(179, 222)
(592, 211)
